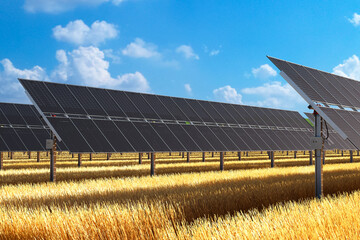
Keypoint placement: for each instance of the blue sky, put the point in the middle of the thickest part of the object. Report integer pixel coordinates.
(212, 50)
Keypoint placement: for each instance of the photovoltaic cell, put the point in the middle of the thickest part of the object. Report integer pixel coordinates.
(173, 108)
(152, 137)
(198, 137)
(93, 135)
(134, 137)
(65, 98)
(171, 140)
(126, 105)
(11, 114)
(28, 113)
(114, 136)
(147, 122)
(183, 137)
(12, 139)
(107, 102)
(159, 108)
(70, 134)
(86, 100)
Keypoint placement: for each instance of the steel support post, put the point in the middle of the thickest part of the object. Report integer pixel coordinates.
(247, 154)
(108, 156)
(318, 163)
(140, 158)
(152, 164)
(38, 156)
(358, 152)
(11, 155)
(212, 154)
(311, 157)
(295, 154)
(29, 154)
(203, 156)
(183, 154)
(272, 159)
(323, 157)
(188, 157)
(287, 153)
(149, 154)
(342, 153)
(221, 161)
(53, 159)
(239, 155)
(90, 157)
(351, 156)
(1, 160)
(79, 160)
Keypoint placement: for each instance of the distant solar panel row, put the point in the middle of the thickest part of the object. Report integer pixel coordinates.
(100, 120)
(22, 129)
(335, 141)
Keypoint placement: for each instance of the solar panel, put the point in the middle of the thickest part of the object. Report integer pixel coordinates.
(323, 90)
(22, 129)
(101, 120)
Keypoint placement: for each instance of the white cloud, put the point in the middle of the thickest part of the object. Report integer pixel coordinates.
(77, 32)
(264, 71)
(274, 94)
(350, 68)
(355, 20)
(11, 90)
(140, 49)
(227, 94)
(214, 52)
(188, 88)
(58, 6)
(87, 65)
(187, 52)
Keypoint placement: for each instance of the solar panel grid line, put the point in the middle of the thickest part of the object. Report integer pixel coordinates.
(287, 134)
(45, 101)
(221, 137)
(224, 112)
(107, 102)
(158, 134)
(201, 133)
(115, 125)
(203, 114)
(81, 108)
(182, 132)
(252, 114)
(346, 92)
(314, 85)
(350, 132)
(330, 86)
(158, 106)
(231, 108)
(11, 114)
(14, 131)
(85, 110)
(354, 86)
(87, 101)
(174, 135)
(309, 101)
(137, 131)
(13, 139)
(291, 73)
(3, 147)
(231, 143)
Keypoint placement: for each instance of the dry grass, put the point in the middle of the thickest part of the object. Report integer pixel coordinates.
(170, 206)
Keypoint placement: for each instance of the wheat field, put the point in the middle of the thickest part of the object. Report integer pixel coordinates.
(184, 201)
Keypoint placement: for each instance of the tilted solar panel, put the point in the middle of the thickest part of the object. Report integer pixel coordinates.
(323, 90)
(101, 120)
(334, 141)
(22, 129)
